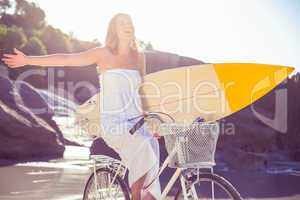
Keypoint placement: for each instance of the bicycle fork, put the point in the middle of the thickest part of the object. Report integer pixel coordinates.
(188, 186)
(95, 179)
(110, 181)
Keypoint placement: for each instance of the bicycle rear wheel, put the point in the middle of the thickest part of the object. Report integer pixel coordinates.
(201, 188)
(105, 188)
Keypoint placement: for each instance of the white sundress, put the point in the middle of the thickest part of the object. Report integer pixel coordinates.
(119, 101)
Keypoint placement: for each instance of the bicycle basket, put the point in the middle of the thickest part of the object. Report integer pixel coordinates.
(194, 144)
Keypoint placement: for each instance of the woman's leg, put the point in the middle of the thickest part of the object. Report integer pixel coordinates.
(137, 187)
(140, 153)
(149, 196)
(153, 191)
(136, 190)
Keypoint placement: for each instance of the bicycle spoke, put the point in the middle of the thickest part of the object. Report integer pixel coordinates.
(201, 188)
(108, 187)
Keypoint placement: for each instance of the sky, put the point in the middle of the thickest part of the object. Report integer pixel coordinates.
(215, 31)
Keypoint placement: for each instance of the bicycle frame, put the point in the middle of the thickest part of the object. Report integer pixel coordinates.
(167, 188)
(171, 181)
(174, 177)
(106, 163)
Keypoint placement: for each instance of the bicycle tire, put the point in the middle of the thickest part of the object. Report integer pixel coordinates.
(217, 179)
(118, 180)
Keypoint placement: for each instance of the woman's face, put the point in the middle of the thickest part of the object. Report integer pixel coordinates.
(124, 28)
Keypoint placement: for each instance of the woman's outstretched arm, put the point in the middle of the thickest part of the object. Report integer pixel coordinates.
(84, 58)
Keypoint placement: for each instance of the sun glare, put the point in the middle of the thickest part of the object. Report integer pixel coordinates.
(213, 31)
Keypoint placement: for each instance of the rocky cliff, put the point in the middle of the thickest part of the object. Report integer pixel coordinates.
(24, 133)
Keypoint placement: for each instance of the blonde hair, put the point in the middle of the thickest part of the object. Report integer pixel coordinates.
(112, 41)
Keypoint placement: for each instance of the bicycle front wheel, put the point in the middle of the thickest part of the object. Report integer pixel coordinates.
(208, 186)
(107, 185)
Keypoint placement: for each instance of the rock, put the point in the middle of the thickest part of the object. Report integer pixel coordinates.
(158, 60)
(24, 134)
(252, 137)
(33, 100)
(240, 160)
(295, 155)
(66, 82)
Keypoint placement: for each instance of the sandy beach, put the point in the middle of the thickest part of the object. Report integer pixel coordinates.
(65, 179)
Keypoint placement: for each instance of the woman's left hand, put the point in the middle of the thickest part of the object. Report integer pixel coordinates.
(156, 135)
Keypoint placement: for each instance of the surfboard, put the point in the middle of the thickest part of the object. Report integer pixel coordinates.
(210, 91)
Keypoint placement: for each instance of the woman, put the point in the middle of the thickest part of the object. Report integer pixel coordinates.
(121, 65)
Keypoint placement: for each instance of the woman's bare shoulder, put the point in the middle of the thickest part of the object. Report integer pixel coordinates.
(104, 56)
(102, 53)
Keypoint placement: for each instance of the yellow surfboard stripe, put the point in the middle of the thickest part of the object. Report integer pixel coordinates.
(245, 83)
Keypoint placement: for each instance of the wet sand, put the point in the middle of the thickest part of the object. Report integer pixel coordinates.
(65, 180)
(33, 182)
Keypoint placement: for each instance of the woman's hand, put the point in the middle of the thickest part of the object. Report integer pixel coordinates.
(152, 125)
(15, 60)
(156, 135)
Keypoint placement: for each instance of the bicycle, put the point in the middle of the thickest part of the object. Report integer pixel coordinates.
(191, 149)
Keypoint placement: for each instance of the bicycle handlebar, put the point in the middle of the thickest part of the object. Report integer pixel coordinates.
(141, 122)
(137, 125)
